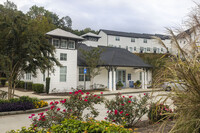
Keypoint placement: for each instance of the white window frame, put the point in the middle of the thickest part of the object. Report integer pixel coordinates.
(148, 49)
(63, 74)
(117, 38)
(28, 76)
(144, 40)
(69, 44)
(131, 49)
(135, 49)
(63, 41)
(58, 43)
(132, 39)
(62, 58)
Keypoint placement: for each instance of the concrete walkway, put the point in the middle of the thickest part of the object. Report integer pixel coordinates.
(105, 93)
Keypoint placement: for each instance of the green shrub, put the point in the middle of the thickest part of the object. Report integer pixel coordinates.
(119, 85)
(159, 112)
(29, 130)
(126, 111)
(3, 81)
(38, 88)
(20, 84)
(92, 126)
(47, 85)
(28, 85)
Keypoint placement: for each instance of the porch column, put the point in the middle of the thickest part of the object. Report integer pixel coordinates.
(114, 79)
(110, 79)
(145, 79)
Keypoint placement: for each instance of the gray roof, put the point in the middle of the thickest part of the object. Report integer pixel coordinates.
(62, 33)
(91, 34)
(134, 35)
(114, 57)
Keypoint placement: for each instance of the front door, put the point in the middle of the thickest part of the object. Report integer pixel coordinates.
(121, 76)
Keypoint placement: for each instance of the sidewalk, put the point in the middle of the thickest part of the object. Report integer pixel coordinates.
(105, 93)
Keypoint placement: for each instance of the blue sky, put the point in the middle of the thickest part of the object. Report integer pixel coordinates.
(140, 16)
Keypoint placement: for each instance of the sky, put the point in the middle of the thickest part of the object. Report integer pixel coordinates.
(139, 16)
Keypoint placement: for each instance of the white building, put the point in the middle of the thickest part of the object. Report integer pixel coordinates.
(134, 42)
(118, 65)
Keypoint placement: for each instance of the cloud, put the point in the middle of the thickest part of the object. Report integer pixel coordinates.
(144, 16)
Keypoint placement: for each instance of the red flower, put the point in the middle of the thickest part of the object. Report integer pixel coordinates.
(56, 102)
(30, 117)
(58, 109)
(105, 118)
(39, 119)
(123, 96)
(107, 111)
(70, 92)
(144, 93)
(121, 112)
(79, 90)
(33, 115)
(65, 100)
(85, 100)
(130, 96)
(51, 103)
(52, 107)
(127, 114)
(82, 93)
(122, 104)
(87, 93)
(113, 120)
(129, 101)
(101, 92)
(115, 112)
(98, 97)
(86, 97)
(95, 95)
(64, 110)
(35, 125)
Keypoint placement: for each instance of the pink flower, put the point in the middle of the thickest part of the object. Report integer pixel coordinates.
(70, 92)
(39, 119)
(86, 97)
(98, 97)
(121, 112)
(122, 104)
(127, 114)
(144, 93)
(95, 95)
(51, 103)
(46, 109)
(64, 110)
(56, 102)
(32, 114)
(85, 100)
(58, 109)
(101, 92)
(123, 96)
(82, 93)
(129, 101)
(113, 120)
(108, 111)
(79, 90)
(130, 96)
(30, 117)
(87, 93)
(105, 118)
(35, 125)
(115, 112)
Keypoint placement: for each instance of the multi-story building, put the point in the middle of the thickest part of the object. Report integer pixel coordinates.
(134, 42)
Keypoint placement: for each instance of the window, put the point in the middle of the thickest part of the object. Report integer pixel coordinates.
(71, 45)
(131, 49)
(56, 43)
(63, 43)
(127, 47)
(141, 49)
(129, 76)
(162, 49)
(28, 76)
(81, 74)
(148, 49)
(117, 38)
(154, 49)
(132, 39)
(63, 57)
(134, 48)
(63, 74)
(145, 41)
(119, 46)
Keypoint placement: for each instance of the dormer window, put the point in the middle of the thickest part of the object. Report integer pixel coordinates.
(63, 43)
(71, 45)
(117, 38)
(56, 43)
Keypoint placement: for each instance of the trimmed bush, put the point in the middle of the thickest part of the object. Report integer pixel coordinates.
(28, 85)
(47, 85)
(20, 84)
(38, 88)
(3, 81)
(159, 112)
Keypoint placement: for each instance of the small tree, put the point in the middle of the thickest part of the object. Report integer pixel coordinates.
(93, 61)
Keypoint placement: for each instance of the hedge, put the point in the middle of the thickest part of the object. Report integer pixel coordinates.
(38, 88)
(3, 81)
(28, 85)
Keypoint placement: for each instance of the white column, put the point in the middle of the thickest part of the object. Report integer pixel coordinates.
(143, 84)
(145, 79)
(110, 79)
(114, 79)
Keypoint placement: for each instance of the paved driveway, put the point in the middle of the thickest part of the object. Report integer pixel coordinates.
(10, 122)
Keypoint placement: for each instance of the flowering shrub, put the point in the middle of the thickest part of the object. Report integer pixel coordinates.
(126, 111)
(40, 104)
(74, 106)
(29, 130)
(159, 112)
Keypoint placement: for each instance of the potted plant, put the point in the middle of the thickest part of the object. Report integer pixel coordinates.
(137, 84)
(119, 85)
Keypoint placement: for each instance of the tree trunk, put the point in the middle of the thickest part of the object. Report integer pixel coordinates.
(91, 83)
(13, 91)
(9, 89)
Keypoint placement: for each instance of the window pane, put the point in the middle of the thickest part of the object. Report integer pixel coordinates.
(63, 44)
(56, 42)
(63, 73)
(81, 70)
(87, 78)
(63, 56)
(71, 45)
(81, 77)
(62, 78)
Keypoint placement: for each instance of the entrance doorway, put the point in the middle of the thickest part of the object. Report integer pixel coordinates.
(121, 76)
